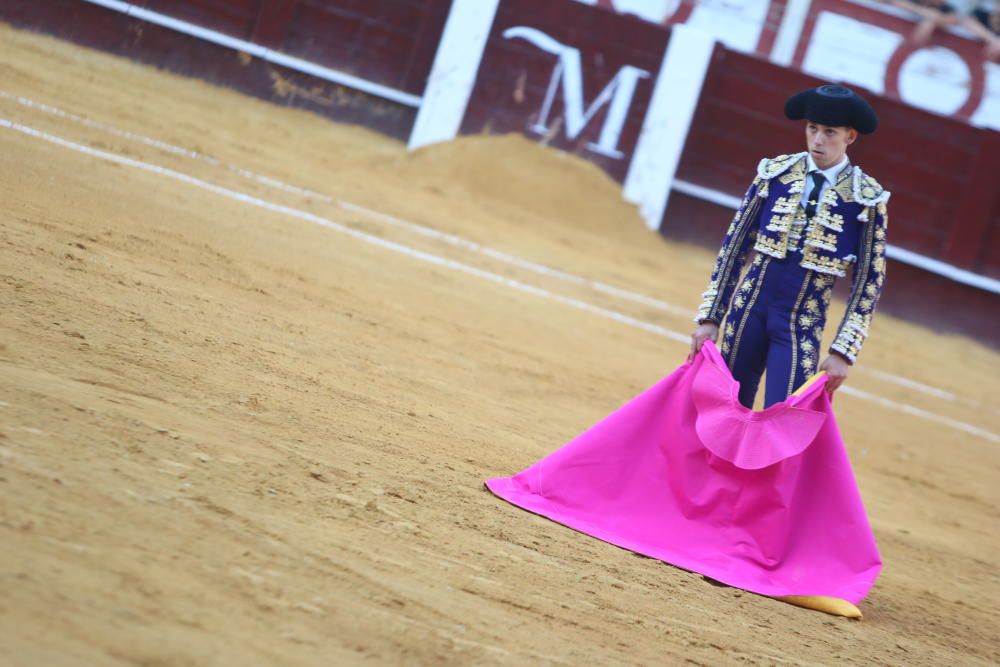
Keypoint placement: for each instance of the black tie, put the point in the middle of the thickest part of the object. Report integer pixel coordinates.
(814, 195)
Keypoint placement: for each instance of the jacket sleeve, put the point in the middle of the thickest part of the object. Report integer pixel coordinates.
(866, 285)
(735, 248)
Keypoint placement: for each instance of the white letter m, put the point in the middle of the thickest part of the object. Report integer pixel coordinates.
(619, 92)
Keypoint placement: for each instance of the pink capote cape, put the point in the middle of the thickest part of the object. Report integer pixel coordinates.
(764, 501)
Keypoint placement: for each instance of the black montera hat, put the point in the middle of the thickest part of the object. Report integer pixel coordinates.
(832, 105)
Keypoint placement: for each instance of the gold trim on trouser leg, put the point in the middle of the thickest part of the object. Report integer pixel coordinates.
(746, 312)
(791, 326)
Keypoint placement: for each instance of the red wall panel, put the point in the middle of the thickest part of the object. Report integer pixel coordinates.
(235, 18)
(391, 42)
(365, 38)
(271, 25)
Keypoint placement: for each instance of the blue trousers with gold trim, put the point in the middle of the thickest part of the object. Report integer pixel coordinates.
(775, 324)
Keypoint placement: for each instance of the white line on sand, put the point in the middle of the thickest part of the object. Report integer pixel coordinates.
(917, 412)
(429, 232)
(442, 261)
(161, 145)
(324, 222)
(450, 239)
(540, 269)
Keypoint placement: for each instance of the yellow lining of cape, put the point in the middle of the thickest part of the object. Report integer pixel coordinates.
(829, 605)
(808, 383)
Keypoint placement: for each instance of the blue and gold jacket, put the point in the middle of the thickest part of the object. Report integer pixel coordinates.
(848, 228)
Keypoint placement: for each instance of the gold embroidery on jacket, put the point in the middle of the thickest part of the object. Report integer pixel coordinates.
(844, 186)
(834, 266)
(797, 172)
(772, 247)
(833, 221)
(861, 305)
(728, 256)
(816, 237)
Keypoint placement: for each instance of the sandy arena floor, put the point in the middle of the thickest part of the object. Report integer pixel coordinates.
(230, 435)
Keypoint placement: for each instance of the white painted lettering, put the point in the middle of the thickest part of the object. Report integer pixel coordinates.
(616, 95)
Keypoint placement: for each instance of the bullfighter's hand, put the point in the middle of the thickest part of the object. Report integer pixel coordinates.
(836, 367)
(704, 331)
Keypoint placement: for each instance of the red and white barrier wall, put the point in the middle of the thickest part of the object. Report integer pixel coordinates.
(861, 42)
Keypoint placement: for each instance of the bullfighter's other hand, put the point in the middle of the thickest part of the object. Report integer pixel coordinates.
(836, 367)
(706, 330)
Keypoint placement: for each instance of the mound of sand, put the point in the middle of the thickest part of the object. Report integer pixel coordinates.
(544, 185)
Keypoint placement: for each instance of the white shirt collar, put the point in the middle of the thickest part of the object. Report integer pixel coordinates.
(831, 173)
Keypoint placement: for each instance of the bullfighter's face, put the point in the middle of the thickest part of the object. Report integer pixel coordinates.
(827, 144)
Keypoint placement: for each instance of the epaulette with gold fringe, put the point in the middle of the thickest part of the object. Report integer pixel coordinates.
(768, 168)
(868, 191)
